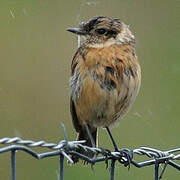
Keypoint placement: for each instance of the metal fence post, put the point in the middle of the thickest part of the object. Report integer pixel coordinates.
(112, 168)
(156, 170)
(61, 167)
(13, 165)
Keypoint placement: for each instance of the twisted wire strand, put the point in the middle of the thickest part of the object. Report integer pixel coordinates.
(66, 146)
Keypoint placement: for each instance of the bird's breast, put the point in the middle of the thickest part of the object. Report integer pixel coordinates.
(104, 84)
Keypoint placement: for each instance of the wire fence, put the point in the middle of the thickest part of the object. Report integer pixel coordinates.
(66, 148)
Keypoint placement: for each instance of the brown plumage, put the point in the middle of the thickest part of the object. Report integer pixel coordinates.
(105, 76)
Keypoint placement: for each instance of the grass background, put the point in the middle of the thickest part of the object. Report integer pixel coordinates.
(35, 58)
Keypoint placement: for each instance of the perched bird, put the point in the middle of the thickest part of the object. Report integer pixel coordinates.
(105, 76)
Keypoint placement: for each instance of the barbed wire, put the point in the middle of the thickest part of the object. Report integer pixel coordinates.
(66, 148)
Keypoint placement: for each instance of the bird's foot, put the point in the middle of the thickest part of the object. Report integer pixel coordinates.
(106, 153)
(126, 157)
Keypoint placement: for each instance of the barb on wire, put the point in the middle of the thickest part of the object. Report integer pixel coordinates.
(65, 148)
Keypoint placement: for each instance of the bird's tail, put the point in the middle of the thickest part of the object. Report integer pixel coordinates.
(83, 135)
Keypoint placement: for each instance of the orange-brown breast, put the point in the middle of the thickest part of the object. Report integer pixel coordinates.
(104, 83)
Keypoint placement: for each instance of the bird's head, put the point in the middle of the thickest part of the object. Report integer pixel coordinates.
(103, 31)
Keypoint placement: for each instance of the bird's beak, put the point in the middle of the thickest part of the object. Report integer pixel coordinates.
(78, 31)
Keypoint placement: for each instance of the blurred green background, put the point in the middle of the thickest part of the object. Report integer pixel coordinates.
(35, 58)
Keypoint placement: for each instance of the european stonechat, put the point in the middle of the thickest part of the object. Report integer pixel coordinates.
(105, 76)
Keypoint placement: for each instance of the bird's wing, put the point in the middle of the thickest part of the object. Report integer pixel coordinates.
(75, 119)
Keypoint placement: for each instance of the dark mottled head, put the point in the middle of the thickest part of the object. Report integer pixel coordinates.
(103, 31)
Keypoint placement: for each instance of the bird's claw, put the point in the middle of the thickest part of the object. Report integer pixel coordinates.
(126, 157)
(105, 153)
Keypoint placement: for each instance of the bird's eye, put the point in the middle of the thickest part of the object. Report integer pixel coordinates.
(101, 31)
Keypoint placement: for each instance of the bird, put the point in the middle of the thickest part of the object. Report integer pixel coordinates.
(105, 77)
